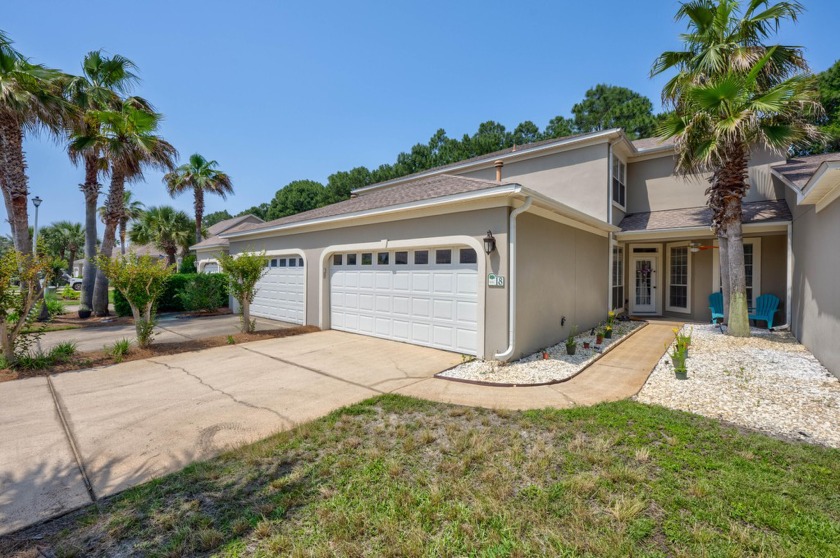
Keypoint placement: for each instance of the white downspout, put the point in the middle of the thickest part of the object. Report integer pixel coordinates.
(789, 278)
(507, 353)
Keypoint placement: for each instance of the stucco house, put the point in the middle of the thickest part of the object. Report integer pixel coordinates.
(500, 255)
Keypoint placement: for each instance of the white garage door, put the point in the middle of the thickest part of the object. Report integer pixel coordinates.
(425, 296)
(280, 291)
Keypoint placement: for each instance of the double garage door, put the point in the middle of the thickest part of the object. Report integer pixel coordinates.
(280, 292)
(424, 296)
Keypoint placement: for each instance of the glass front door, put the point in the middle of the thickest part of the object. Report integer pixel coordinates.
(644, 289)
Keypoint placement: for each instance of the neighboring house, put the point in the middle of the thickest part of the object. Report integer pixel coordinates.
(575, 226)
(208, 249)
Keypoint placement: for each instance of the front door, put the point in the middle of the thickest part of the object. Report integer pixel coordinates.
(644, 287)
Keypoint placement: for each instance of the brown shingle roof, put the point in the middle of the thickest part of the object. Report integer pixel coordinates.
(799, 171)
(428, 188)
(754, 212)
(222, 226)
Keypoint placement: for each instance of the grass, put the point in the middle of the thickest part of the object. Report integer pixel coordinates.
(39, 363)
(40, 360)
(119, 349)
(395, 476)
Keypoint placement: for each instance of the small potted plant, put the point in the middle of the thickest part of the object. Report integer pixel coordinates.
(678, 355)
(545, 354)
(599, 337)
(586, 344)
(608, 331)
(84, 312)
(571, 342)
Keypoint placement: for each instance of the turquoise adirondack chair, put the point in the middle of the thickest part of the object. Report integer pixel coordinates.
(765, 308)
(716, 306)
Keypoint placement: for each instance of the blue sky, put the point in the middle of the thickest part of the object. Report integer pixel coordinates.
(278, 91)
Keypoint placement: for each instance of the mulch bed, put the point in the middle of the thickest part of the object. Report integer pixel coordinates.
(94, 359)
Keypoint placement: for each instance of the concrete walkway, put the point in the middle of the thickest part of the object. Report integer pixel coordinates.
(619, 374)
(70, 439)
(170, 328)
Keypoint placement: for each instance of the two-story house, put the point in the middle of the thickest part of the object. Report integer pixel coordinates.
(500, 255)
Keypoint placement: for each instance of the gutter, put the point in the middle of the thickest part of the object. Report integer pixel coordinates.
(507, 353)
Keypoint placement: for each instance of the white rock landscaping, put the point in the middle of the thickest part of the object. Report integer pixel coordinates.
(767, 382)
(533, 369)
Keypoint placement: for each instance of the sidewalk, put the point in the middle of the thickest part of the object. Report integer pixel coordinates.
(620, 374)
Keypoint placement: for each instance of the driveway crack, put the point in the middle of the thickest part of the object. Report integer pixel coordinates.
(284, 418)
(314, 370)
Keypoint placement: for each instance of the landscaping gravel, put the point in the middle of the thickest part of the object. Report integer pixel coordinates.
(768, 382)
(533, 369)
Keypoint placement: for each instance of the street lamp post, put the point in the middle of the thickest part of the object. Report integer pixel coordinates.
(44, 314)
(36, 201)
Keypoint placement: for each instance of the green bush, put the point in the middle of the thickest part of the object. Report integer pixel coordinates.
(203, 292)
(169, 300)
(188, 265)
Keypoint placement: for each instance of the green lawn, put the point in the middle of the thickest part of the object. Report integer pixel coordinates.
(399, 477)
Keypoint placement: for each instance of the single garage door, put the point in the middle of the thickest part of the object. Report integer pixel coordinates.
(424, 296)
(280, 291)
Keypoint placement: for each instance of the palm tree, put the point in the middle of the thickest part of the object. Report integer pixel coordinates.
(130, 144)
(99, 87)
(731, 94)
(166, 228)
(201, 176)
(72, 238)
(132, 210)
(30, 101)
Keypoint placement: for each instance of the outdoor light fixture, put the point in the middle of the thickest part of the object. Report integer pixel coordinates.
(489, 243)
(37, 201)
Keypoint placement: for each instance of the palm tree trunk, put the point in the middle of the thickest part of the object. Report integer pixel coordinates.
(70, 262)
(725, 283)
(733, 186)
(113, 215)
(170, 256)
(90, 189)
(199, 213)
(123, 224)
(14, 183)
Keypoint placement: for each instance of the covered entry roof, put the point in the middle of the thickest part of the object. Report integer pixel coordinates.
(696, 217)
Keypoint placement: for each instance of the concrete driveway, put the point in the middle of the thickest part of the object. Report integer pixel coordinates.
(170, 328)
(70, 439)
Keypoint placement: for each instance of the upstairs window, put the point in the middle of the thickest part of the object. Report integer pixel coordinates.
(619, 182)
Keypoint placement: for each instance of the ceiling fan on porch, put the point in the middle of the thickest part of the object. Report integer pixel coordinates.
(696, 246)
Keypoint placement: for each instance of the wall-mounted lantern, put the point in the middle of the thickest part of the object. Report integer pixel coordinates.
(489, 243)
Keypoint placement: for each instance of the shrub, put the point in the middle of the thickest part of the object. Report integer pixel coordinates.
(119, 349)
(205, 292)
(67, 293)
(141, 280)
(16, 305)
(244, 271)
(63, 351)
(39, 360)
(54, 306)
(188, 265)
(169, 301)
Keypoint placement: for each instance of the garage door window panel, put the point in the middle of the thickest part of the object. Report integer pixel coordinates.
(406, 299)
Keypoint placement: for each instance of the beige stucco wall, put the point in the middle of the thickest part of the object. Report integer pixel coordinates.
(815, 309)
(472, 223)
(652, 185)
(577, 177)
(562, 271)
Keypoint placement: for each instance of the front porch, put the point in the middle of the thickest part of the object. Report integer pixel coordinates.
(670, 272)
